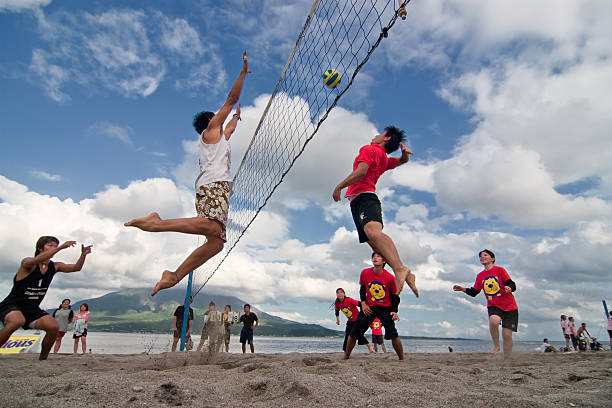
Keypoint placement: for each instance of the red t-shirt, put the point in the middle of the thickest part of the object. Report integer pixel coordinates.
(349, 307)
(376, 158)
(376, 327)
(379, 288)
(492, 282)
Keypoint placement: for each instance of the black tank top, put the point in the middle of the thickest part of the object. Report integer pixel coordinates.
(31, 290)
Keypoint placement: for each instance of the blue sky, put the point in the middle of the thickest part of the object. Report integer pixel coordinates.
(505, 107)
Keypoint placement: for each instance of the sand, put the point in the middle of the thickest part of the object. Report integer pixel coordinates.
(192, 379)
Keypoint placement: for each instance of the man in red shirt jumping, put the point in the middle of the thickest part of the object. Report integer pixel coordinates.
(369, 165)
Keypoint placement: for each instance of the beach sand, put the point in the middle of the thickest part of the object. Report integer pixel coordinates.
(308, 380)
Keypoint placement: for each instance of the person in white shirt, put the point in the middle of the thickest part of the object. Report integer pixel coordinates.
(546, 347)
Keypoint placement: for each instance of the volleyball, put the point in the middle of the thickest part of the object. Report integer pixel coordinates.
(331, 78)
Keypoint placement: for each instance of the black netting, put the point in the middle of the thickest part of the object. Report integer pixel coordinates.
(338, 34)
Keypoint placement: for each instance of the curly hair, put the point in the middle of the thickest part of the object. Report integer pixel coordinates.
(397, 136)
(200, 121)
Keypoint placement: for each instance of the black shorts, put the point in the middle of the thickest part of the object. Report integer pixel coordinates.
(365, 208)
(377, 338)
(31, 314)
(363, 322)
(78, 336)
(610, 333)
(509, 318)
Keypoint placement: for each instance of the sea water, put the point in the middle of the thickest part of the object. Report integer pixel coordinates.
(135, 343)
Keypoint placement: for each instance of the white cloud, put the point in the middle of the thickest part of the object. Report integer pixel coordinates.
(21, 5)
(113, 131)
(43, 175)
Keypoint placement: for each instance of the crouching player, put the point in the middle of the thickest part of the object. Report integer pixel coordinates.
(378, 300)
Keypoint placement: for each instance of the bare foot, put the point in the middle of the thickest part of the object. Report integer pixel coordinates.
(167, 280)
(494, 351)
(407, 277)
(144, 223)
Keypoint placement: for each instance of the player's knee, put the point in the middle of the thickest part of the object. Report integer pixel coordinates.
(14, 320)
(372, 229)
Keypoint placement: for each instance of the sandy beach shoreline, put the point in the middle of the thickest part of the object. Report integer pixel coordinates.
(530, 379)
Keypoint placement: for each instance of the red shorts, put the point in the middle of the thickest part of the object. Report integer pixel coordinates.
(60, 334)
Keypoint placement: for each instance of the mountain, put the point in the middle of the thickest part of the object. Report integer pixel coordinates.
(134, 310)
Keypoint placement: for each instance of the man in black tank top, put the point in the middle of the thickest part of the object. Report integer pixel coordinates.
(21, 307)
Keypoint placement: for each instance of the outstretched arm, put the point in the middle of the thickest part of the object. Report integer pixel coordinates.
(232, 98)
(75, 267)
(355, 176)
(30, 263)
(231, 126)
(470, 291)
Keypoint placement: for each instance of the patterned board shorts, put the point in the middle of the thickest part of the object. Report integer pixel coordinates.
(212, 202)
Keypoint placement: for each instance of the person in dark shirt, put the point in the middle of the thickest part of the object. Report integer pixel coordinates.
(247, 319)
(177, 326)
(30, 284)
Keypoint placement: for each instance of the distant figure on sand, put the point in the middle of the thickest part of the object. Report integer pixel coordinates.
(571, 327)
(498, 288)
(378, 300)
(348, 306)
(368, 166)
(79, 331)
(212, 330)
(610, 330)
(566, 331)
(227, 327)
(63, 316)
(213, 188)
(377, 336)
(250, 322)
(177, 326)
(546, 347)
(21, 307)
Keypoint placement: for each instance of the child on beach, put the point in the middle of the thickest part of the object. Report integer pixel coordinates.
(212, 330)
(566, 331)
(213, 189)
(377, 336)
(227, 327)
(348, 306)
(571, 328)
(371, 162)
(30, 284)
(502, 308)
(63, 316)
(80, 328)
(378, 300)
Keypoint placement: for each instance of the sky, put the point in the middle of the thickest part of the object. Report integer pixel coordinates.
(505, 105)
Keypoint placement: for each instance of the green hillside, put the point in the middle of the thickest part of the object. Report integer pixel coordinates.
(133, 310)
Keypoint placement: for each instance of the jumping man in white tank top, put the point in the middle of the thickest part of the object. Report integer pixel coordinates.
(213, 188)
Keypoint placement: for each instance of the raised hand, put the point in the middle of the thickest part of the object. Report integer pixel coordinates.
(245, 65)
(85, 250)
(66, 244)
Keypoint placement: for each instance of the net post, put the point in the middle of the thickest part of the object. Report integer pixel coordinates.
(186, 306)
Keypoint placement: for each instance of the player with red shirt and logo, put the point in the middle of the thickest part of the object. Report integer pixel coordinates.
(368, 166)
(377, 336)
(378, 300)
(348, 306)
(498, 288)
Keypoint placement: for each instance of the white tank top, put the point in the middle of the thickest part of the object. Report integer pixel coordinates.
(215, 162)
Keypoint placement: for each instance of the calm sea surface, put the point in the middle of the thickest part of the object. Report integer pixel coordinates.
(134, 343)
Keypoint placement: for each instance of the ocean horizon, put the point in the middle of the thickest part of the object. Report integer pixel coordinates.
(154, 343)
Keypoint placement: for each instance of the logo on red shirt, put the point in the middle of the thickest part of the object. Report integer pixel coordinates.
(377, 291)
(491, 287)
(347, 312)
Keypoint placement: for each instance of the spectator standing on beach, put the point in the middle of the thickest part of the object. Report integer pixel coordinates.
(379, 299)
(212, 330)
(610, 329)
(348, 307)
(227, 327)
(546, 347)
(177, 326)
(377, 336)
(502, 308)
(572, 332)
(80, 328)
(566, 331)
(63, 316)
(250, 322)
